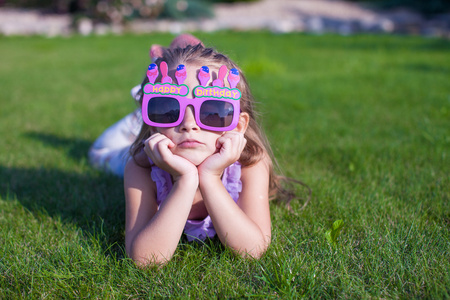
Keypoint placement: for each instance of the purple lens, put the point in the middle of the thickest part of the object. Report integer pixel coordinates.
(163, 110)
(216, 113)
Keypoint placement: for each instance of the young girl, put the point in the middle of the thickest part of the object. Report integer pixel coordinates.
(200, 164)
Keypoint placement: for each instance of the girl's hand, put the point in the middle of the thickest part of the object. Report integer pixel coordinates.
(157, 147)
(229, 149)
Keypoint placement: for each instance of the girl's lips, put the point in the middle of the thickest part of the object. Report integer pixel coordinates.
(189, 144)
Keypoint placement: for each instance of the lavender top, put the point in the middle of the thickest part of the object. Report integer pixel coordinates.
(198, 229)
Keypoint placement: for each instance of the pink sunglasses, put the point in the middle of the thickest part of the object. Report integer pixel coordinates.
(216, 108)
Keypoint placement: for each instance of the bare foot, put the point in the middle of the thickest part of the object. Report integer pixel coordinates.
(156, 51)
(184, 40)
(181, 41)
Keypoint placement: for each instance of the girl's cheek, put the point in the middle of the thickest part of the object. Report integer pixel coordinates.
(154, 130)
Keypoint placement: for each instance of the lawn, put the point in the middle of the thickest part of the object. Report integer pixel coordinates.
(363, 120)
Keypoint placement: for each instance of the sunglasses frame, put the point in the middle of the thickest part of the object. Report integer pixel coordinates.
(184, 102)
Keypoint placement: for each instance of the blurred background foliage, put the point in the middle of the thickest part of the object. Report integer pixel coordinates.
(118, 11)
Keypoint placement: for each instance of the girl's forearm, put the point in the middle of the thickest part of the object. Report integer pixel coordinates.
(233, 227)
(158, 240)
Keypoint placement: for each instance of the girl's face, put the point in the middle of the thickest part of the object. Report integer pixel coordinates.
(191, 142)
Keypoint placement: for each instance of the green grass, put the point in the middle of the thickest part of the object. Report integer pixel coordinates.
(363, 120)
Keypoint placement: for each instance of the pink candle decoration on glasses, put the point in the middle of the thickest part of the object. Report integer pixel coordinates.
(152, 73)
(233, 78)
(180, 74)
(164, 71)
(203, 75)
(222, 73)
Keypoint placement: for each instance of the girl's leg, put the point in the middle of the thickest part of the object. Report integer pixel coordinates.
(110, 151)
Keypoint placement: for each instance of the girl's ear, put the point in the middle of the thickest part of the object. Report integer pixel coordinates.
(242, 125)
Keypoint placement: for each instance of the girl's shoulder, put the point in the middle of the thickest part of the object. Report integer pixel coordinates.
(258, 169)
(141, 159)
(138, 175)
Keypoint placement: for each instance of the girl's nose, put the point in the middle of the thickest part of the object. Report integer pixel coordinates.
(188, 122)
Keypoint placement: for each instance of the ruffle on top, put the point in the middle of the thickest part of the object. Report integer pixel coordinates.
(198, 229)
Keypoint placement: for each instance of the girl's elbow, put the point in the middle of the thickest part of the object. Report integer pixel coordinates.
(256, 252)
(148, 260)
(262, 248)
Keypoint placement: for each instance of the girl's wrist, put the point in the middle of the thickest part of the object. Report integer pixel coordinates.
(190, 179)
(206, 172)
(208, 178)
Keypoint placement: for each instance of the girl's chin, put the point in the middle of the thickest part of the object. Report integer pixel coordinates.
(195, 159)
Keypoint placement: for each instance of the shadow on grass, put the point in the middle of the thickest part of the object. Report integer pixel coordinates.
(76, 148)
(423, 67)
(92, 200)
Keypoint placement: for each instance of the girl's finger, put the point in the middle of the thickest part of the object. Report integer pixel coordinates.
(156, 139)
(236, 138)
(162, 147)
(231, 145)
(157, 147)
